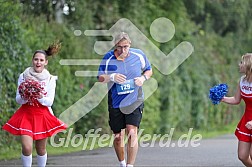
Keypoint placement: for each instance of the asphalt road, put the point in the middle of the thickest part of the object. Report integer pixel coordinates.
(220, 151)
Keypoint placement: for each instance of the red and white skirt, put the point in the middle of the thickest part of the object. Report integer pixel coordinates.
(35, 121)
(242, 132)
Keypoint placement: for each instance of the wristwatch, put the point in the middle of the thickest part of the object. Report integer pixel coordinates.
(145, 77)
(112, 77)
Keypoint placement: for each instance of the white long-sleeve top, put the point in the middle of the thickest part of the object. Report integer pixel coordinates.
(49, 86)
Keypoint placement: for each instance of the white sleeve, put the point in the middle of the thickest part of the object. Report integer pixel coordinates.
(19, 99)
(48, 99)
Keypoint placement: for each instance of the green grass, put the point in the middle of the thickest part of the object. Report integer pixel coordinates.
(14, 152)
(7, 153)
(228, 129)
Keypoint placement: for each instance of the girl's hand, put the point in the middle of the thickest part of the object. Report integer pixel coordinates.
(40, 96)
(222, 100)
(249, 125)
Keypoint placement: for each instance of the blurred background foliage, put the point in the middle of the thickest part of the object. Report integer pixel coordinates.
(219, 30)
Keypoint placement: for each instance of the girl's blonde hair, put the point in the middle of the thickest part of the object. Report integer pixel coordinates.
(247, 63)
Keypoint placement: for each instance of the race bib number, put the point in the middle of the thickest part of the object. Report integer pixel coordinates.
(125, 88)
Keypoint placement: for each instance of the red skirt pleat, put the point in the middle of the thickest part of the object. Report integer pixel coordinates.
(35, 121)
(242, 132)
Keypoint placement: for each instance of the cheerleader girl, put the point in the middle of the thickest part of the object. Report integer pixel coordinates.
(34, 120)
(244, 128)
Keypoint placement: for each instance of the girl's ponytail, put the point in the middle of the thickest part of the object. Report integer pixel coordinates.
(53, 49)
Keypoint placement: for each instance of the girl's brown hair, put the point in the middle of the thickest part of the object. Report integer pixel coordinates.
(52, 49)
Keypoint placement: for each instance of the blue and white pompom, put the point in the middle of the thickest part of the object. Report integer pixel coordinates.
(217, 92)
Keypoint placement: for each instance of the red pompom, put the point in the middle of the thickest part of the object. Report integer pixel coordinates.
(31, 90)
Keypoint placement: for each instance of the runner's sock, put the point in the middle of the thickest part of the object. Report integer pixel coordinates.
(123, 163)
(26, 160)
(42, 160)
(129, 165)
